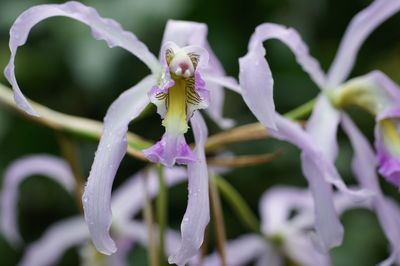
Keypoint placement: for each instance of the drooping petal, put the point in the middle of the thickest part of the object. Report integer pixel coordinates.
(111, 149)
(364, 166)
(129, 198)
(102, 29)
(242, 251)
(322, 126)
(56, 240)
(197, 214)
(360, 27)
(293, 41)
(327, 223)
(46, 165)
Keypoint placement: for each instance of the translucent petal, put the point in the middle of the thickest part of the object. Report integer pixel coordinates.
(197, 214)
(111, 150)
(102, 29)
(46, 165)
(360, 27)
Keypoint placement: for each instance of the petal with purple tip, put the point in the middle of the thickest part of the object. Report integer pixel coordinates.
(102, 29)
(360, 27)
(111, 150)
(49, 166)
(197, 214)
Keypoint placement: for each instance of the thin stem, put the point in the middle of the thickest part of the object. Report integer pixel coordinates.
(148, 216)
(68, 150)
(301, 111)
(238, 204)
(162, 212)
(218, 220)
(77, 126)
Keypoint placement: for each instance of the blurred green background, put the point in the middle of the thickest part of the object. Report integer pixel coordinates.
(63, 67)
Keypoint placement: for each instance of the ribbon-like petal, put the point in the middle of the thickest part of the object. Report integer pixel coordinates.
(360, 27)
(364, 166)
(102, 29)
(111, 150)
(49, 166)
(197, 214)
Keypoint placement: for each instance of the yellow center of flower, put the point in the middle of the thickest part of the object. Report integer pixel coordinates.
(175, 120)
(182, 66)
(391, 135)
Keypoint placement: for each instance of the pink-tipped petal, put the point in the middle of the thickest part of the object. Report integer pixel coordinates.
(55, 241)
(111, 150)
(102, 29)
(364, 166)
(360, 27)
(291, 39)
(49, 166)
(197, 214)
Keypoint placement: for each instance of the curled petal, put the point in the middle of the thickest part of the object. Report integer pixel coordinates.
(111, 150)
(242, 251)
(56, 240)
(257, 86)
(129, 198)
(197, 214)
(102, 29)
(293, 40)
(364, 169)
(360, 27)
(49, 166)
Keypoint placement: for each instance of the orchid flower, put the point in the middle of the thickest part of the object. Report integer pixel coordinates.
(127, 201)
(286, 235)
(186, 78)
(318, 140)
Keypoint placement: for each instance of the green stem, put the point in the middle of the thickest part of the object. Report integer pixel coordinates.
(149, 219)
(218, 220)
(162, 213)
(68, 150)
(301, 111)
(238, 204)
(68, 124)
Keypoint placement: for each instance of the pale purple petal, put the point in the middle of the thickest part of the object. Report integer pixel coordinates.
(360, 27)
(291, 39)
(364, 166)
(55, 241)
(169, 150)
(224, 81)
(102, 29)
(242, 251)
(129, 198)
(322, 126)
(111, 150)
(197, 214)
(46, 165)
(327, 223)
(257, 84)
(185, 33)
